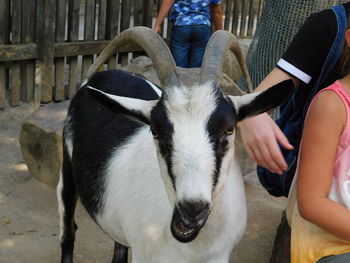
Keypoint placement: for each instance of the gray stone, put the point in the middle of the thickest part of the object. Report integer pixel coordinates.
(41, 142)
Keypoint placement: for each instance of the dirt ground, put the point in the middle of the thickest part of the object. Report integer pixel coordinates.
(29, 219)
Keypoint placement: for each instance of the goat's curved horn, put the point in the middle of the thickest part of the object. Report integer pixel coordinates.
(155, 48)
(220, 42)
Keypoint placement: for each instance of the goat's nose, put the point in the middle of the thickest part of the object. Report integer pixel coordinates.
(195, 210)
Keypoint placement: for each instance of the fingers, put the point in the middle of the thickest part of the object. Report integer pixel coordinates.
(282, 139)
(261, 138)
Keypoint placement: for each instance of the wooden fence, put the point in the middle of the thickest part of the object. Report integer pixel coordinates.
(46, 46)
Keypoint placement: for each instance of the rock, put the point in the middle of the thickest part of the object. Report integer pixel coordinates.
(41, 142)
(139, 65)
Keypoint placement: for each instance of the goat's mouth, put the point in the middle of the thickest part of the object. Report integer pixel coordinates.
(184, 231)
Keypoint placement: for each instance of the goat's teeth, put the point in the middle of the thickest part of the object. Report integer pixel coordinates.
(186, 233)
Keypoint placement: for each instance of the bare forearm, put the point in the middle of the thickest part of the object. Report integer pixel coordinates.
(163, 11)
(328, 215)
(274, 77)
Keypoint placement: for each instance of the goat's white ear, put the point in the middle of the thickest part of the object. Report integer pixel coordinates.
(137, 108)
(255, 103)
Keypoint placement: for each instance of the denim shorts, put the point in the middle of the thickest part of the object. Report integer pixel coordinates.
(188, 43)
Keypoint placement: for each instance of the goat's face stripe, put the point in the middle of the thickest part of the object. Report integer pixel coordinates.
(223, 118)
(192, 156)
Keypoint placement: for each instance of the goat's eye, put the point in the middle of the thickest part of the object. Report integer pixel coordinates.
(229, 131)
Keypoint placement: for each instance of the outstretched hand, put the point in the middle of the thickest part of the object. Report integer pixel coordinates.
(261, 138)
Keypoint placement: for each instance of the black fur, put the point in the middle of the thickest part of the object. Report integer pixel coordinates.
(120, 253)
(97, 130)
(223, 118)
(269, 99)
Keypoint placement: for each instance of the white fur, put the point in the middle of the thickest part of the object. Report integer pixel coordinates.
(239, 101)
(139, 198)
(154, 87)
(60, 204)
(193, 160)
(137, 211)
(143, 106)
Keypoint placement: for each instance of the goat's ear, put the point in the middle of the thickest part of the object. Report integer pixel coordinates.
(255, 103)
(135, 108)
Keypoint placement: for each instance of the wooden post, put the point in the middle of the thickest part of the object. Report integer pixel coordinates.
(125, 23)
(4, 38)
(252, 15)
(28, 68)
(228, 15)
(149, 13)
(39, 29)
(139, 9)
(73, 35)
(112, 27)
(15, 82)
(58, 91)
(89, 32)
(46, 46)
(236, 12)
(245, 12)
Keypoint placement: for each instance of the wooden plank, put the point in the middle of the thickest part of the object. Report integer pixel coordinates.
(39, 29)
(4, 38)
(58, 90)
(28, 68)
(73, 35)
(113, 26)
(18, 52)
(149, 13)
(89, 31)
(139, 19)
(252, 16)
(102, 16)
(245, 12)
(139, 8)
(125, 23)
(228, 14)
(46, 46)
(15, 82)
(235, 17)
(4, 21)
(2, 85)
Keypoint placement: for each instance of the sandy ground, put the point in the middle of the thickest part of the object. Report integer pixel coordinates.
(29, 219)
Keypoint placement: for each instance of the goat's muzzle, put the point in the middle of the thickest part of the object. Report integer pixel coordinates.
(188, 219)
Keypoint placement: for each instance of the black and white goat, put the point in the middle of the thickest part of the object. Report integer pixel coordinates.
(154, 167)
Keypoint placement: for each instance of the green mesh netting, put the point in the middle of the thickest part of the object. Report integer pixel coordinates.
(279, 22)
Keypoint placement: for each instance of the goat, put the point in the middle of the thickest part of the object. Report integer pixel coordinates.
(155, 168)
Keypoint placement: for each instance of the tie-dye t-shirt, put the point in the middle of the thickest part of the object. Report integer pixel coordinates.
(191, 12)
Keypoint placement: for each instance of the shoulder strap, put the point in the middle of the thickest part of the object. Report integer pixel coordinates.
(333, 54)
(336, 49)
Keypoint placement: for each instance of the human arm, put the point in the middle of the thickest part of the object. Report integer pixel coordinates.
(301, 62)
(163, 11)
(216, 16)
(323, 128)
(261, 135)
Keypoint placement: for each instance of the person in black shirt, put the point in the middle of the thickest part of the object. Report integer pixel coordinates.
(301, 63)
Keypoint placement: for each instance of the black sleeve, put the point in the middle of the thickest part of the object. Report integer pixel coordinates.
(307, 52)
